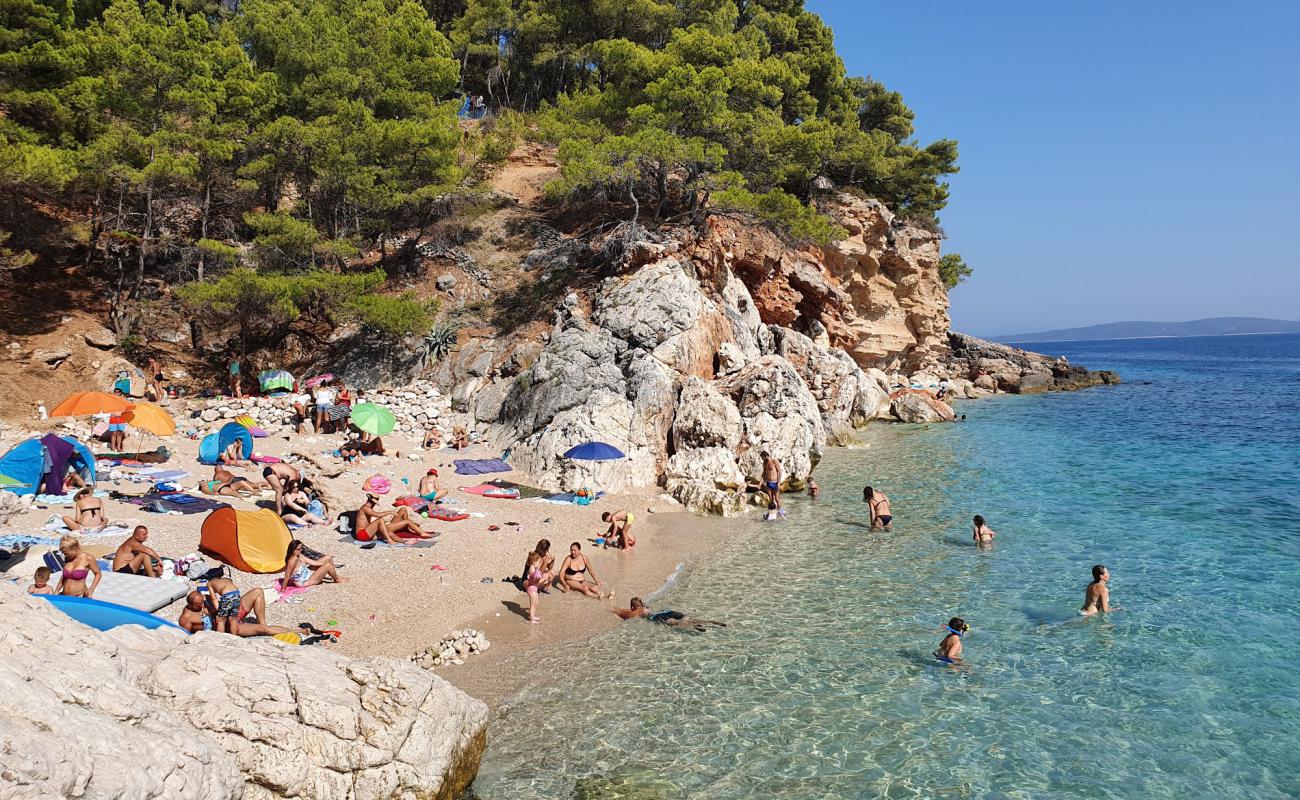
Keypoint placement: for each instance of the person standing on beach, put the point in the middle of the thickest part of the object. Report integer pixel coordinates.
(771, 478)
(881, 517)
(537, 576)
(1096, 598)
(233, 367)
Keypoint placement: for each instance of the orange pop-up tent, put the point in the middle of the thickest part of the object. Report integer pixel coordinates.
(249, 541)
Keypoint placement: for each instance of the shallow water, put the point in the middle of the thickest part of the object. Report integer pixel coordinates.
(1183, 481)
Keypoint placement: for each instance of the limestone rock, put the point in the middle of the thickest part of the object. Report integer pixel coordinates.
(135, 713)
(778, 414)
(446, 283)
(917, 407)
(51, 356)
(846, 397)
(101, 337)
(730, 358)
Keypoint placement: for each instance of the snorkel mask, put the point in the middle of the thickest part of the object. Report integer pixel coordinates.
(964, 629)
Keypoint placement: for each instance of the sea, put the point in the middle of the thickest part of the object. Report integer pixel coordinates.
(1184, 481)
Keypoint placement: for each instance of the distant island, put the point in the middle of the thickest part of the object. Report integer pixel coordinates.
(1214, 326)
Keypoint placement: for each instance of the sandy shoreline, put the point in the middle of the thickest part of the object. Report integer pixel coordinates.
(396, 601)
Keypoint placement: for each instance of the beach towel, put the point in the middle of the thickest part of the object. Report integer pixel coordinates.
(265, 459)
(566, 498)
(154, 475)
(480, 466)
(286, 594)
(382, 543)
(14, 542)
(63, 499)
(492, 490)
(55, 523)
(175, 501)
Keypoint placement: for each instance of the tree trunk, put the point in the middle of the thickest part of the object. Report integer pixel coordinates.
(203, 223)
(661, 186)
(636, 205)
(96, 222)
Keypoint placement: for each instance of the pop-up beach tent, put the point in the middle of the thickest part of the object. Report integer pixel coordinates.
(249, 541)
(40, 464)
(214, 444)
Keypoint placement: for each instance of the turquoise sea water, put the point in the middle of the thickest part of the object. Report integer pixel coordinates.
(1183, 481)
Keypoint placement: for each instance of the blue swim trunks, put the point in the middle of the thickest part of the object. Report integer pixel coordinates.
(228, 604)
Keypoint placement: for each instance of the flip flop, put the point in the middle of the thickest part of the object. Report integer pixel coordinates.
(494, 527)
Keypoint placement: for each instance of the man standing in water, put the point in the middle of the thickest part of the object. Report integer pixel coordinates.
(1097, 597)
(771, 478)
(881, 517)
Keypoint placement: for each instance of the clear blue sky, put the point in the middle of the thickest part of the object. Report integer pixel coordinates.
(1119, 160)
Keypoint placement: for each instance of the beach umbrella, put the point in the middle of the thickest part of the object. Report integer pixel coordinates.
(253, 427)
(85, 403)
(373, 419)
(594, 451)
(313, 382)
(149, 417)
(273, 379)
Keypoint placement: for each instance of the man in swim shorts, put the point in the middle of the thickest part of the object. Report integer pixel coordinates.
(673, 619)
(771, 478)
(1096, 598)
(195, 617)
(230, 609)
(881, 517)
(133, 558)
(620, 529)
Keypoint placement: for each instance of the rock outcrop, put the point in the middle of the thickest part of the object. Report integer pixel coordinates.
(992, 366)
(153, 714)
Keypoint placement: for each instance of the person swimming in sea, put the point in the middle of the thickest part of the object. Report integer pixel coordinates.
(950, 648)
(1096, 598)
(982, 533)
(674, 619)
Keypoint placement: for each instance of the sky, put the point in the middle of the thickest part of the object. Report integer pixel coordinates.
(1119, 160)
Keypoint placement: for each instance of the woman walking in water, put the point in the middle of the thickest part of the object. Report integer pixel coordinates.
(881, 517)
(1096, 598)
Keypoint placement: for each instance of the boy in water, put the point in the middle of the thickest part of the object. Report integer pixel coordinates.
(950, 648)
(1097, 597)
(674, 619)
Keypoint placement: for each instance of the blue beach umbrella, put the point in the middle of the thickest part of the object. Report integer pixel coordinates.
(594, 451)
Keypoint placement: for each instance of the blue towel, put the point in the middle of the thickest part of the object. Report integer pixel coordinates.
(15, 541)
(480, 466)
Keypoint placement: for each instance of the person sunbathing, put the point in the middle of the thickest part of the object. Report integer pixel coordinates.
(228, 484)
(300, 570)
(394, 527)
(459, 438)
(88, 512)
(575, 571)
(673, 619)
(432, 439)
(298, 509)
(133, 558)
(234, 455)
(77, 566)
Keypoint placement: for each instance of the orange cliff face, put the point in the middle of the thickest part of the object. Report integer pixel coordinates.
(877, 293)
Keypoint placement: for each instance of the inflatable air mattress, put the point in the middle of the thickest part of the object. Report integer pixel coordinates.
(104, 616)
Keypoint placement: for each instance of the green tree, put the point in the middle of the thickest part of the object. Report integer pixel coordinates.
(953, 269)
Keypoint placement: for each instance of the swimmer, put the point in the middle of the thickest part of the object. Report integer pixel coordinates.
(814, 491)
(982, 533)
(773, 514)
(950, 648)
(673, 619)
(1097, 596)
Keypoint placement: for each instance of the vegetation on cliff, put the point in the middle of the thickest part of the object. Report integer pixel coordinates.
(292, 136)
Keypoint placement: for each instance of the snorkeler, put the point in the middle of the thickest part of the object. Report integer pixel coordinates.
(1097, 597)
(673, 619)
(949, 650)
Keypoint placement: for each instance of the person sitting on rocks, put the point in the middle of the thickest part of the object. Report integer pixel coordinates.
(133, 558)
(459, 437)
(430, 489)
(674, 619)
(88, 512)
(575, 571)
(432, 439)
(619, 533)
(300, 570)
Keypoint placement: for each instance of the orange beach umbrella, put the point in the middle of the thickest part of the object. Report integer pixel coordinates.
(83, 404)
(149, 417)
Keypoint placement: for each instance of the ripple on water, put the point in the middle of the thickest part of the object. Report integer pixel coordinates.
(822, 685)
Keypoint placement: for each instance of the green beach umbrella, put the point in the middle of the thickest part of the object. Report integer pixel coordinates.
(373, 419)
(273, 379)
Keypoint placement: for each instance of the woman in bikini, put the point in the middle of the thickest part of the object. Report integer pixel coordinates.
(77, 566)
(881, 517)
(299, 570)
(982, 533)
(574, 573)
(228, 484)
(537, 576)
(88, 512)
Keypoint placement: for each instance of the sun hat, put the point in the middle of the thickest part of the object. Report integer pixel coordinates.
(432, 472)
(376, 484)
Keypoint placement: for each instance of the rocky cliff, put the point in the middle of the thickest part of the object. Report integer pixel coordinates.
(151, 714)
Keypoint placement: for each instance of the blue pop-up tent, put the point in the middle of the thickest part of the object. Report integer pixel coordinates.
(214, 444)
(41, 464)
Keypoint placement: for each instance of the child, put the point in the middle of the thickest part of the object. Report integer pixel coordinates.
(773, 513)
(949, 650)
(982, 534)
(41, 582)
